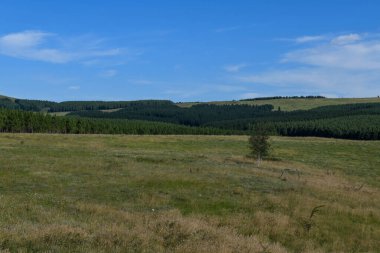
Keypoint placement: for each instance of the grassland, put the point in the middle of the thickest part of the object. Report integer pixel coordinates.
(294, 104)
(65, 113)
(92, 193)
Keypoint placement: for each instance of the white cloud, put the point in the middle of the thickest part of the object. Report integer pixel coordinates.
(305, 39)
(320, 80)
(48, 47)
(234, 68)
(308, 77)
(348, 38)
(23, 39)
(354, 56)
(347, 65)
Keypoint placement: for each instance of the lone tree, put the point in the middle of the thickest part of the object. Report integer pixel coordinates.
(259, 142)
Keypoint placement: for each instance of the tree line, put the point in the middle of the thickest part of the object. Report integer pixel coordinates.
(350, 121)
(282, 97)
(17, 121)
(357, 127)
(68, 106)
(197, 115)
(223, 115)
(321, 113)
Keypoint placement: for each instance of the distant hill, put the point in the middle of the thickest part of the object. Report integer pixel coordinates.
(5, 97)
(285, 103)
(70, 106)
(350, 118)
(292, 104)
(355, 121)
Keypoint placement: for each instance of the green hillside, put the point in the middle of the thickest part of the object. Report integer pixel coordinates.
(69, 106)
(351, 121)
(2, 97)
(288, 116)
(292, 104)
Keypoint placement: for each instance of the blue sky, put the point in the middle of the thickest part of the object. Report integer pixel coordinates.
(188, 50)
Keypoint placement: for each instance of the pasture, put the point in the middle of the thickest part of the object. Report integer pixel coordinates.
(103, 193)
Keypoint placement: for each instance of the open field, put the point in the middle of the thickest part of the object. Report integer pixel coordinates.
(99, 193)
(58, 113)
(66, 113)
(294, 104)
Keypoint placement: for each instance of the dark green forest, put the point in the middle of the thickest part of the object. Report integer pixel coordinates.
(17, 121)
(349, 121)
(196, 115)
(282, 97)
(69, 106)
(218, 115)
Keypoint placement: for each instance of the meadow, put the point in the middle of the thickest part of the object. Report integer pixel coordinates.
(103, 193)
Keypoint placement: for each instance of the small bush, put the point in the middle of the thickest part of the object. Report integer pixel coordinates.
(259, 142)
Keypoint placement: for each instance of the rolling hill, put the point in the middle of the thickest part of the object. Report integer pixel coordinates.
(292, 104)
(334, 118)
(286, 104)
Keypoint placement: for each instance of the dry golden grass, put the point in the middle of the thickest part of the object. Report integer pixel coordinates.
(108, 229)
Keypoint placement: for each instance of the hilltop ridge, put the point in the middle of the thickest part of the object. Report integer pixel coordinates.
(284, 103)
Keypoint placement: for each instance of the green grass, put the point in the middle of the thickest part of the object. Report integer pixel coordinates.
(98, 193)
(295, 104)
(65, 113)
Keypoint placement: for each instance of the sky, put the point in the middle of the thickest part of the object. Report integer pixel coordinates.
(188, 50)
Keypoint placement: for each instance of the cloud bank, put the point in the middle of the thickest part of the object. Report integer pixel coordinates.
(345, 65)
(49, 47)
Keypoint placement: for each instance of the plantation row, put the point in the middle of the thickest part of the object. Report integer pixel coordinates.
(48, 106)
(357, 127)
(101, 105)
(196, 115)
(225, 116)
(73, 106)
(282, 97)
(362, 122)
(17, 121)
(324, 112)
(362, 127)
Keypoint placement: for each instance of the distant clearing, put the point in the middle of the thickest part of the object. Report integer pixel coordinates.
(66, 113)
(293, 104)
